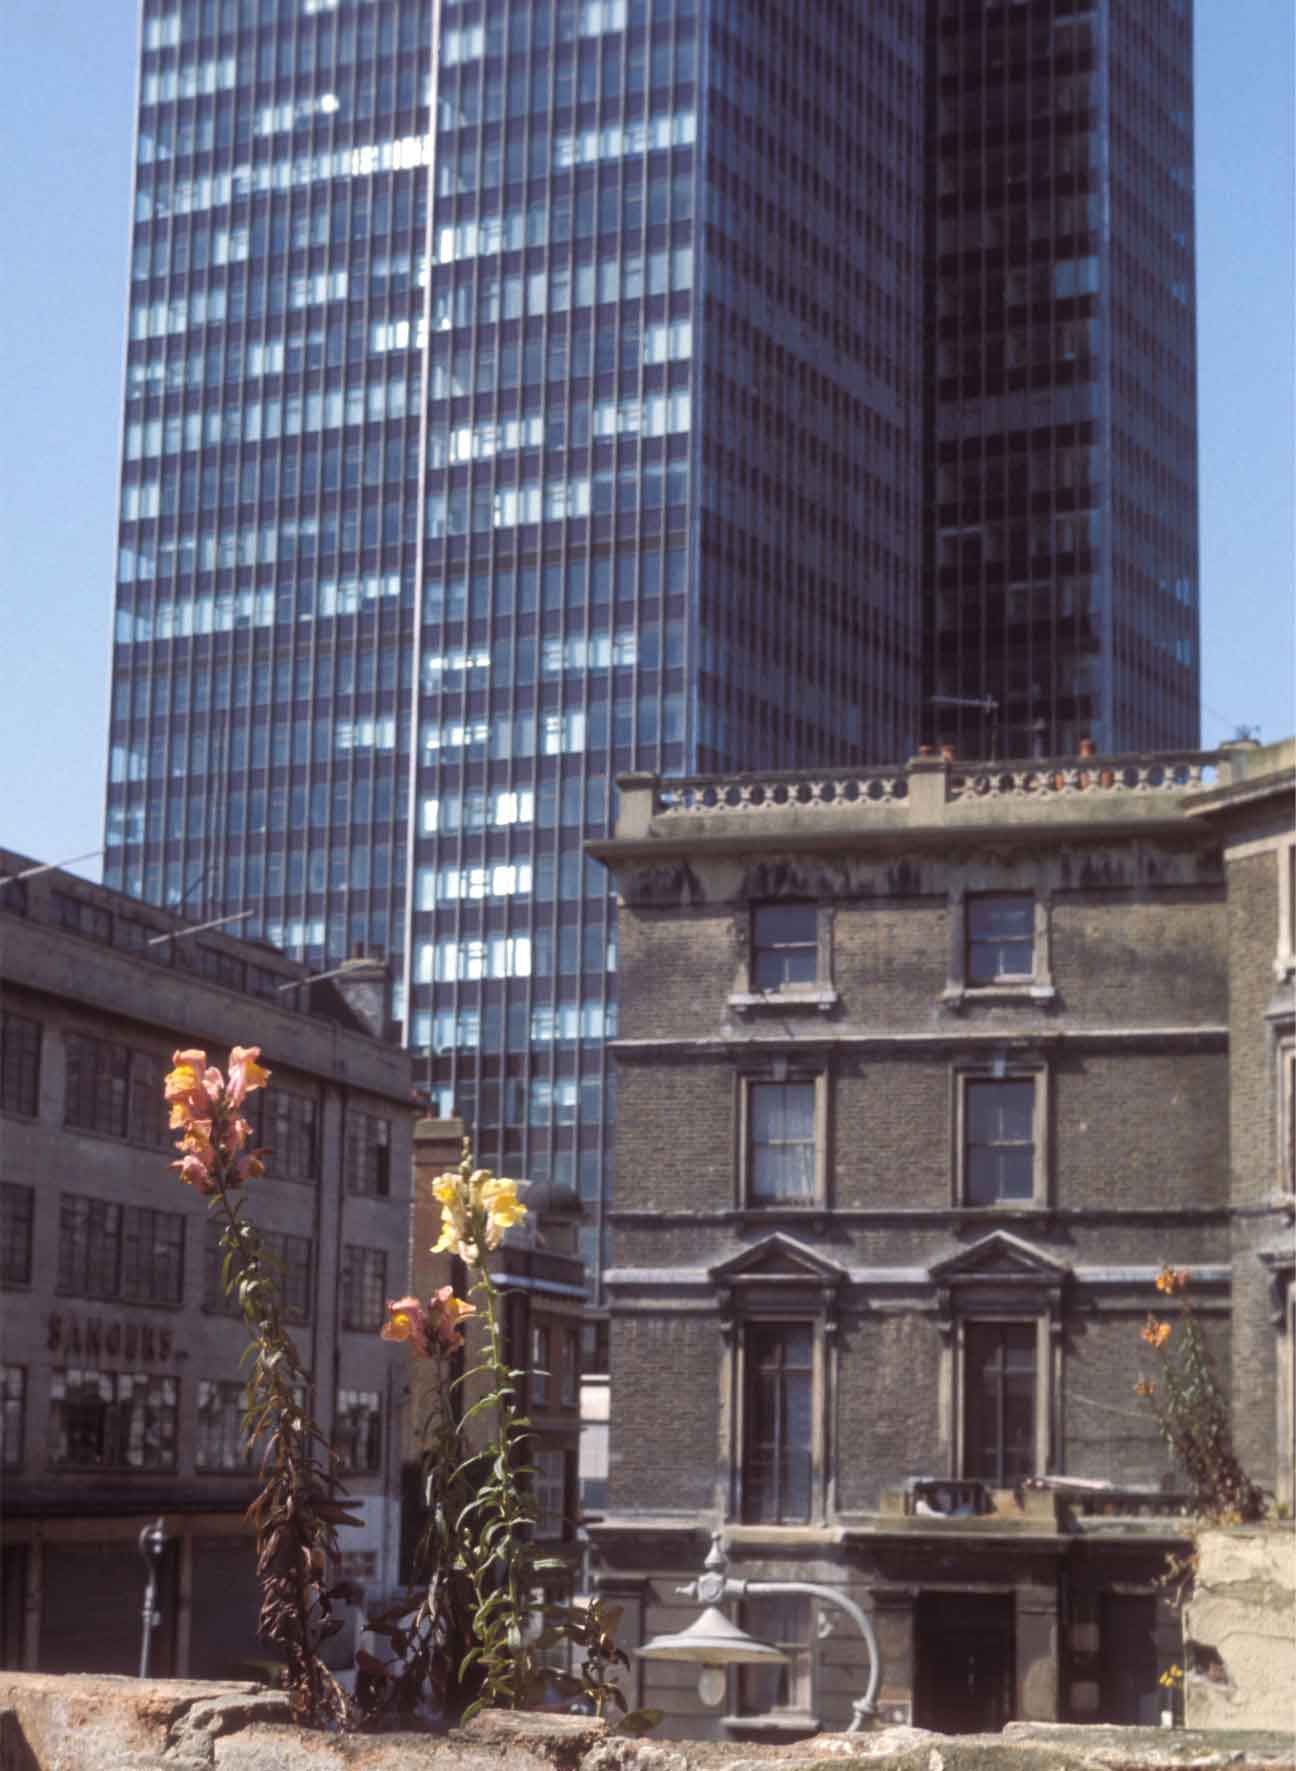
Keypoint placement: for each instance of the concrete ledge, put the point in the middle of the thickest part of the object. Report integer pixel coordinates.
(88, 1722)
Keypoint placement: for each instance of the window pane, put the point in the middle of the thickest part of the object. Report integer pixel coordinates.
(782, 1132)
(1000, 938)
(785, 945)
(1000, 1141)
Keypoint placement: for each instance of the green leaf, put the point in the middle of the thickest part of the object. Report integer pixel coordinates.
(637, 1722)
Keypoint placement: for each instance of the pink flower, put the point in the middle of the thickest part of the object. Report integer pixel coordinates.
(245, 1074)
(447, 1313)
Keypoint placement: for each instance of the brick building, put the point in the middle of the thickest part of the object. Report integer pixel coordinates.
(122, 1383)
(922, 1077)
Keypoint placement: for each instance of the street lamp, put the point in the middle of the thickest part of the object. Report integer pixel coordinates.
(712, 1642)
(152, 1546)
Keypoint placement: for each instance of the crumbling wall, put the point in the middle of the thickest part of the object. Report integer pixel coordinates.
(1240, 1631)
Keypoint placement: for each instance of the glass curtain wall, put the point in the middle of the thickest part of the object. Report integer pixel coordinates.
(504, 412)
(1061, 574)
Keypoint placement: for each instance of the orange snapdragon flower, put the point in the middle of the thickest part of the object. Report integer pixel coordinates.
(1155, 1333)
(1170, 1281)
(429, 1329)
(204, 1106)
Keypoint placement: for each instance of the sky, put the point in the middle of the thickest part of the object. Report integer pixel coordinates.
(66, 110)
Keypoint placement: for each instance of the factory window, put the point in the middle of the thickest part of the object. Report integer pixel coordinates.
(357, 1431)
(20, 1041)
(16, 1207)
(112, 1420)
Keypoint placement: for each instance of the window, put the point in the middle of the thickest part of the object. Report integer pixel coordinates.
(219, 1442)
(777, 1459)
(999, 1143)
(788, 962)
(113, 1090)
(367, 1157)
(115, 1251)
(357, 1431)
(13, 1396)
(364, 1287)
(569, 1394)
(781, 1145)
(16, 1205)
(1285, 1175)
(112, 1420)
(549, 1492)
(80, 916)
(288, 1127)
(539, 1367)
(787, 1620)
(1000, 938)
(19, 1065)
(785, 946)
(293, 1255)
(999, 1402)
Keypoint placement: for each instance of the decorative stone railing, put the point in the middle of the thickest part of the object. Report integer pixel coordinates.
(700, 794)
(1047, 777)
(925, 790)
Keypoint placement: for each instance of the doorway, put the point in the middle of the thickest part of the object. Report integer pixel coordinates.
(964, 1673)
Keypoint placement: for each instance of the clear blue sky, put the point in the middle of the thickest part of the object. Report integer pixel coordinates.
(66, 98)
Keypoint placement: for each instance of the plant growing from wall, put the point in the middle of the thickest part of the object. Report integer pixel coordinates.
(1192, 1412)
(301, 1501)
(485, 1574)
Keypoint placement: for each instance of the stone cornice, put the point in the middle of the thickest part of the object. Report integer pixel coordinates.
(734, 1041)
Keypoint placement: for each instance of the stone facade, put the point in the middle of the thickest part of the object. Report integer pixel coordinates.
(923, 1075)
(1252, 820)
(121, 1361)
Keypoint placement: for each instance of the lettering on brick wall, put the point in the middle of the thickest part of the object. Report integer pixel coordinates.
(93, 1337)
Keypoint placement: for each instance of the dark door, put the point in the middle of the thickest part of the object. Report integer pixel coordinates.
(1130, 1692)
(963, 1680)
(13, 1595)
(93, 1611)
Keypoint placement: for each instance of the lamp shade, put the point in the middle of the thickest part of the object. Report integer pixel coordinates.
(711, 1640)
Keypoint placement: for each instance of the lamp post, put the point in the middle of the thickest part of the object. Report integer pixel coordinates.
(712, 1642)
(152, 1546)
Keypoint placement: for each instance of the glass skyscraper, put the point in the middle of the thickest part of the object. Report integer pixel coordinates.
(1061, 575)
(518, 392)
(523, 391)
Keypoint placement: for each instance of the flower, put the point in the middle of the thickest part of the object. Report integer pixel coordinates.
(475, 1210)
(245, 1074)
(1155, 1333)
(1169, 1280)
(406, 1321)
(1145, 1387)
(1172, 1676)
(431, 1329)
(447, 1313)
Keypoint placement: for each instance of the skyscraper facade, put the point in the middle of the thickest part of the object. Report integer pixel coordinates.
(517, 392)
(1061, 573)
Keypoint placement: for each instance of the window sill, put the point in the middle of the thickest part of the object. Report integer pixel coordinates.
(957, 997)
(823, 1000)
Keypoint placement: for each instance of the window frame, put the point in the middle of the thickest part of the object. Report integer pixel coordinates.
(118, 1393)
(746, 1510)
(366, 1155)
(972, 940)
(20, 1069)
(781, 1072)
(360, 1264)
(818, 994)
(134, 1275)
(1038, 987)
(13, 1407)
(803, 1664)
(966, 1074)
(1042, 1320)
(351, 1407)
(19, 1213)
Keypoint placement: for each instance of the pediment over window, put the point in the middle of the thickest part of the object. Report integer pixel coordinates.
(1002, 1258)
(779, 1258)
